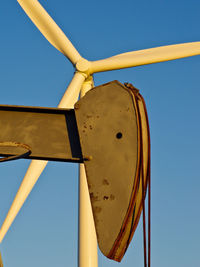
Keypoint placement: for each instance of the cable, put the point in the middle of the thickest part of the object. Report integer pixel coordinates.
(15, 144)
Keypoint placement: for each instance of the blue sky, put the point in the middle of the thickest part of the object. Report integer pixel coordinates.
(32, 72)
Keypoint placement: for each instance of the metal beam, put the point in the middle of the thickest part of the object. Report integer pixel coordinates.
(50, 133)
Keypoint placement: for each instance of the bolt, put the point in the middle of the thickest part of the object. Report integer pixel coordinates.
(77, 106)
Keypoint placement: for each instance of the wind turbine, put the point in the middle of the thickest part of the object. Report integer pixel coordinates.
(83, 80)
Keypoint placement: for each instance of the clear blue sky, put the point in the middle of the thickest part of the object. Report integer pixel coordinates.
(32, 72)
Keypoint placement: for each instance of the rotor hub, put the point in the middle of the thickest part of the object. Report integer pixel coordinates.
(83, 66)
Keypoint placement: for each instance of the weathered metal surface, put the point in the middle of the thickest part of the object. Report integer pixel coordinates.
(136, 203)
(50, 133)
(109, 132)
(108, 126)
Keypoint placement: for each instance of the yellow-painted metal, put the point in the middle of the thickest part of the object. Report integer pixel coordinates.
(39, 133)
(113, 130)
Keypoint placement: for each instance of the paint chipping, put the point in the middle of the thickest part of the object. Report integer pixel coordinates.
(105, 182)
(93, 197)
(97, 209)
(112, 197)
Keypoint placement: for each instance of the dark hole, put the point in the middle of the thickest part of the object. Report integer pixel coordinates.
(119, 135)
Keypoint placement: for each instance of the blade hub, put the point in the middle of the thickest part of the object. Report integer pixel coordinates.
(83, 65)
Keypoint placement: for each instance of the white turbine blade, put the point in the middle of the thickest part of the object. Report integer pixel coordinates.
(146, 56)
(49, 29)
(31, 177)
(37, 166)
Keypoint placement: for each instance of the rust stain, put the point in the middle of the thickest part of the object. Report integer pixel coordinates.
(93, 197)
(105, 182)
(77, 106)
(97, 209)
(112, 197)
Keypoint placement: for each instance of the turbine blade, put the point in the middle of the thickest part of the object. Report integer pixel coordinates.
(31, 177)
(146, 56)
(49, 29)
(36, 167)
